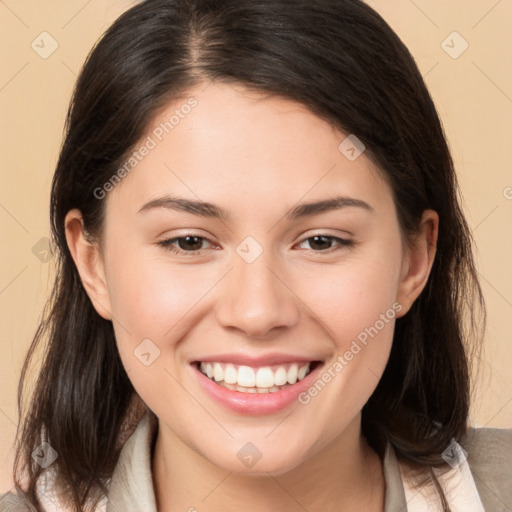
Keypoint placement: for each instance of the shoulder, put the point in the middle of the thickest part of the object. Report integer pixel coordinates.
(489, 455)
(15, 503)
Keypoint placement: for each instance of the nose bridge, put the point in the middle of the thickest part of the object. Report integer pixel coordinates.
(255, 299)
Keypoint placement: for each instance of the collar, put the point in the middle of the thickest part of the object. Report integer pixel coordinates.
(131, 486)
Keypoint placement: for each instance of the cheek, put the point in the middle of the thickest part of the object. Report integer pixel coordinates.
(356, 302)
(350, 297)
(149, 295)
(153, 300)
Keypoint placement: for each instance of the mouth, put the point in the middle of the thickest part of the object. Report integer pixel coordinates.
(256, 380)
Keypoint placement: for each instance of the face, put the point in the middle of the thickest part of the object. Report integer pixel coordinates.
(260, 293)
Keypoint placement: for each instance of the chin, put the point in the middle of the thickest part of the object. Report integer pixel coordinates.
(270, 461)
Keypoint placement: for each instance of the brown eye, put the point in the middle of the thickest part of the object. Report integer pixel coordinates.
(323, 243)
(192, 243)
(185, 244)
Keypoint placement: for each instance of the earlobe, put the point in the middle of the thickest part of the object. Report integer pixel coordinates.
(88, 261)
(418, 261)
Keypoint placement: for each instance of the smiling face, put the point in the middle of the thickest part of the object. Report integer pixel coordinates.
(251, 286)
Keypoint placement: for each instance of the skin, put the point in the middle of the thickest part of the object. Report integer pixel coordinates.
(257, 158)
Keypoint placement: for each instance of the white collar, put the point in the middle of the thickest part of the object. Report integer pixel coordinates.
(457, 483)
(131, 486)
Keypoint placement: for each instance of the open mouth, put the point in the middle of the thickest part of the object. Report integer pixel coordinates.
(265, 379)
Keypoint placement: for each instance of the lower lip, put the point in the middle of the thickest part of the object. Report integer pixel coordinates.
(256, 403)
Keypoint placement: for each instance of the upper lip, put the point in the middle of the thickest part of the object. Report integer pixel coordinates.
(253, 360)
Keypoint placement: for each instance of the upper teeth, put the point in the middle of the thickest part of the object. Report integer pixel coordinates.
(264, 377)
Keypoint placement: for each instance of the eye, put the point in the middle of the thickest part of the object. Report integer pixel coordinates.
(193, 244)
(188, 244)
(321, 241)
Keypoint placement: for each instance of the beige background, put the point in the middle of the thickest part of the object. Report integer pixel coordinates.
(473, 93)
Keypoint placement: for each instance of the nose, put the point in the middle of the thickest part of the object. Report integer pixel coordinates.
(256, 300)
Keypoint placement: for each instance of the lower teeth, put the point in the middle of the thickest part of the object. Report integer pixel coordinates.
(242, 389)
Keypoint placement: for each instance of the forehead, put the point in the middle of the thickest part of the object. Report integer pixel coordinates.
(229, 145)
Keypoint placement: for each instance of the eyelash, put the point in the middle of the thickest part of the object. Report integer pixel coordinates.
(167, 244)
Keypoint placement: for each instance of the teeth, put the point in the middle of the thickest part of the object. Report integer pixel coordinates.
(265, 378)
(230, 374)
(281, 376)
(293, 374)
(246, 377)
(251, 380)
(302, 373)
(218, 374)
(253, 389)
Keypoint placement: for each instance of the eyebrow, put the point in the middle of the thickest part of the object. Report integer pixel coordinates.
(205, 209)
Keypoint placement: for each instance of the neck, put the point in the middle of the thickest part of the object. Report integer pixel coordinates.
(344, 476)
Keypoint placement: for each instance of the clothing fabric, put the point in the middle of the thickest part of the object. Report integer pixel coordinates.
(480, 479)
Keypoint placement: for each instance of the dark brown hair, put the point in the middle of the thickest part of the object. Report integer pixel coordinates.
(341, 60)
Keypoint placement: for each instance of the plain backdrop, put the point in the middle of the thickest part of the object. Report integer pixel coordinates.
(463, 49)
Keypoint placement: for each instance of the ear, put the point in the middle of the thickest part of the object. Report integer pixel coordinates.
(89, 262)
(418, 261)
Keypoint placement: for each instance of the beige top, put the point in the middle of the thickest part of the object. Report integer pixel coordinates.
(482, 483)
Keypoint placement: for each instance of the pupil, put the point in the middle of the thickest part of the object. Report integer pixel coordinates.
(319, 237)
(185, 242)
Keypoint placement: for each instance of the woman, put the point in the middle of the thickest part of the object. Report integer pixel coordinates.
(263, 275)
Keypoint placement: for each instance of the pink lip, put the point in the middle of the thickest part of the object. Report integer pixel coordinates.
(247, 360)
(255, 403)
